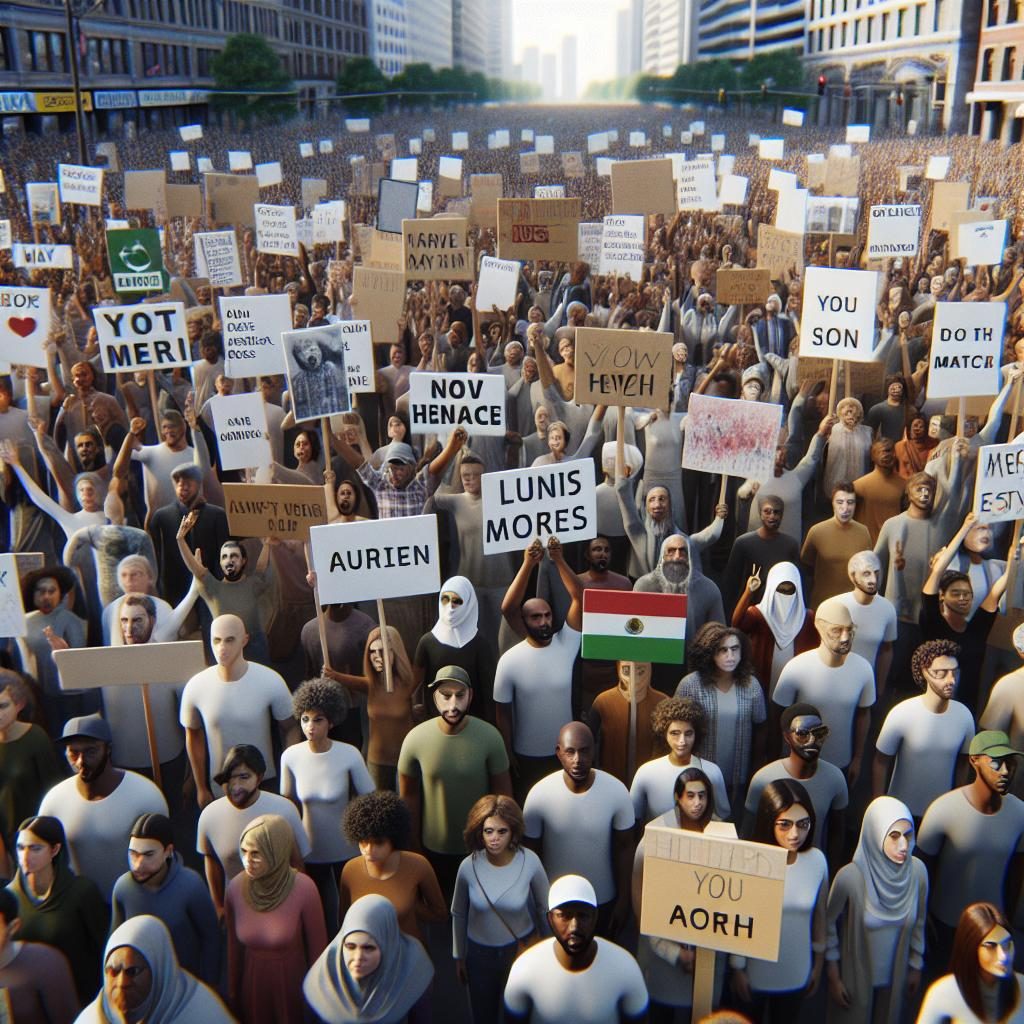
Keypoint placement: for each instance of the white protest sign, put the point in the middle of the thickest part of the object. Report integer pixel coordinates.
(240, 423)
(252, 327)
(43, 202)
(190, 132)
(841, 149)
(12, 613)
(858, 133)
(5, 234)
(791, 209)
(937, 168)
(239, 160)
(325, 146)
(42, 257)
(24, 324)
(967, 341)
(450, 167)
(429, 135)
(771, 149)
(377, 558)
(697, 127)
(548, 191)
(753, 140)
(893, 231)
(440, 402)
(733, 191)
(304, 232)
(717, 143)
(666, 131)
(597, 142)
(217, 258)
(837, 320)
(496, 283)
(502, 139)
(80, 184)
(204, 164)
(415, 147)
(275, 229)
(726, 163)
(697, 188)
(180, 160)
(328, 222)
(779, 180)
(268, 174)
(358, 345)
(357, 124)
(613, 134)
(460, 141)
(686, 137)
(793, 118)
(305, 149)
(999, 483)
(526, 135)
(622, 246)
(637, 139)
(543, 501)
(544, 144)
(735, 438)
(603, 166)
(982, 243)
(589, 242)
(145, 337)
(425, 197)
(405, 169)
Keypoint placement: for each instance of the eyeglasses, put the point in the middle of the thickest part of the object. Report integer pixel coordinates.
(819, 732)
(803, 825)
(132, 972)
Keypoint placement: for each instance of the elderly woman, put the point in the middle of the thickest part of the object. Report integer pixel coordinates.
(143, 982)
(849, 446)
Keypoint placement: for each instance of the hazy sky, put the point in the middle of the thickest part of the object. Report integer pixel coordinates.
(543, 23)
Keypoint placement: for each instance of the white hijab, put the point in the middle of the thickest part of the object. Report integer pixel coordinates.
(784, 614)
(456, 624)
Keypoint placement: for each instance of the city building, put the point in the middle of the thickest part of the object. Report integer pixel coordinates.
(548, 76)
(629, 23)
(148, 62)
(499, 39)
(668, 33)
(739, 31)
(469, 35)
(531, 65)
(389, 32)
(569, 50)
(997, 97)
(429, 39)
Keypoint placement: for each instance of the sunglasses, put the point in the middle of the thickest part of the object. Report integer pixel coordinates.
(819, 732)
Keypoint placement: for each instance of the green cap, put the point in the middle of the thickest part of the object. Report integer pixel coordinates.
(993, 743)
(450, 674)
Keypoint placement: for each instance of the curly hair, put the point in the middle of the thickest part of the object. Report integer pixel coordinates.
(492, 806)
(378, 815)
(679, 709)
(927, 653)
(706, 643)
(323, 695)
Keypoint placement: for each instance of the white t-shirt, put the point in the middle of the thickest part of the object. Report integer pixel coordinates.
(323, 784)
(836, 692)
(236, 712)
(576, 828)
(652, 791)
(944, 1003)
(540, 987)
(974, 851)
(157, 462)
(98, 831)
(875, 622)
(221, 825)
(537, 682)
(1005, 708)
(925, 746)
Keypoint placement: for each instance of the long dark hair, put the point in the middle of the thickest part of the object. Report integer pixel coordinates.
(777, 798)
(975, 923)
(695, 775)
(706, 643)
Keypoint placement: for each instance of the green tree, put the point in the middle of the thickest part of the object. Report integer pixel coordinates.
(361, 75)
(781, 69)
(245, 68)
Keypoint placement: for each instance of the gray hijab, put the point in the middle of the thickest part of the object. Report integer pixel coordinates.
(389, 993)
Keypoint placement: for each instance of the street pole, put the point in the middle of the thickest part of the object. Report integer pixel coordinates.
(75, 83)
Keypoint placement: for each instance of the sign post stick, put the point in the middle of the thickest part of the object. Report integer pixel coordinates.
(320, 624)
(832, 388)
(631, 746)
(153, 400)
(620, 444)
(847, 378)
(703, 983)
(385, 644)
(961, 415)
(154, 753)
(325, 440)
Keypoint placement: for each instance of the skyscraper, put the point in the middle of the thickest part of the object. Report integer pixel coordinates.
(469, 35)
(430, 32)
(569, 48)
(499, 39)
(549, 75)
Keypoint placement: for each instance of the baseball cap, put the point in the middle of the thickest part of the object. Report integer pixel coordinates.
(571, 889)
(450, 674)
(993, 743)
(94, 727)
(399, 451)
(189, 470)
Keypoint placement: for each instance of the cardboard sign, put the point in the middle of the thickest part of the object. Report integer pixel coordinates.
(696, 186)
(982, 243)
(712, 892)
(737, 438)
(231, 198)
(779, 251)
(328, 222)
(893, 231)
(733, 191)
(842, 175)
(622, 246)
(269, 174)
(180, 160)
(136, 261)
(396, 202)
(999, 484)
(24, 325)
(497, 284)
(837, 320)
(643, 186)
(217, 258)
(286, 511)
(86, 668)
(793, 118)
(184, 200)
(771, 149)
(485, 190)
(619, 367)
(239, 160)
(436, 250)
(967, 342)
(12, 612)
(937, 168)
(548, 191)
(378, 558)
(240, 425)
(43, 202)
(440, 402)
(529, 163)
(865, 378)
(151, 337)
(80, 184)
(313, 190)
(589, 243)
(572, 164)
(947, 198)
(379, 296)
(275, 229)
(42, 257)
(538, 229)
(252, 327)
(747, 287)
(597, 142)
(315, 364)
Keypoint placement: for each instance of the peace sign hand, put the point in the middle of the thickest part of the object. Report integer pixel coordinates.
(754, 580)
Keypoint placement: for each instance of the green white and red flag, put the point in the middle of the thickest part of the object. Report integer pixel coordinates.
(623, 625)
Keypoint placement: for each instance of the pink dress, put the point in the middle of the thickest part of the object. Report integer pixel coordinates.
(270, 953)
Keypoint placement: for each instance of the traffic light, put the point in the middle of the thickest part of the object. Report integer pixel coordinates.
(822, 81)
(721, 96)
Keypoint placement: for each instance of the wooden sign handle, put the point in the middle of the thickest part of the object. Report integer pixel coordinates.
(832, 387)
(703, 983)
(620, 444)
(154, 751)
(154, 401)
(632, 739)
(325, 440)
(961, 415)
(321, 625)
(385, 644)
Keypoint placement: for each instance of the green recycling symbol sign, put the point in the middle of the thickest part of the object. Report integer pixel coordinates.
(136, 260)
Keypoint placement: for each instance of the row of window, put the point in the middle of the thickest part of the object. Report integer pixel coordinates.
(889, 26)
(228, 16)
(1007, 64)
(1002, 13)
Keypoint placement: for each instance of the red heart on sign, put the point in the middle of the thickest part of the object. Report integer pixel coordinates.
(22, 326)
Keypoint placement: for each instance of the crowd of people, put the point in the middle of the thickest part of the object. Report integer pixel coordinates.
(439, 813)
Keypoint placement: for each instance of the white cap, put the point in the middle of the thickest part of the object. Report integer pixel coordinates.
(571, 889)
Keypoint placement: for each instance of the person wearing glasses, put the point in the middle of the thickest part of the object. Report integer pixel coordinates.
(924, 740)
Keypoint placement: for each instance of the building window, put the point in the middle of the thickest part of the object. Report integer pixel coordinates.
(867, 27)
(986, 65)
(6, 54)
(993, 13)
(1009, 55)
(832, 37)
(1011, 12)
(856, 30)
(917, 20)
(899, 22)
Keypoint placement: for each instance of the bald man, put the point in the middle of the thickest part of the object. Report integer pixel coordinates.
(235, 701)
(579, 820)
(837, 681)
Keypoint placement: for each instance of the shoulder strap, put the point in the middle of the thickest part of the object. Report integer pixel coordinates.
(508, 928)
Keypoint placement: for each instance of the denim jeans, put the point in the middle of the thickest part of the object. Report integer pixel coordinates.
(488, 967)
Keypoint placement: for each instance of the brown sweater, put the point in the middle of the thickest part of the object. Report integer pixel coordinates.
(613, 710)
(827, 549)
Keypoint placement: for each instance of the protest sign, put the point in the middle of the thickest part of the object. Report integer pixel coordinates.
(108, 151)
(619, 367)
(217, 258)
(643, 186)
(252, 327)
(543, 501)
(947, 198)
(12, 612)
(597, 142)
(748, 287)
(526, 135)
(286, 511)
(697, 128)
(239, 160)
(779, 180)
(305, 149)
(275, 229)
(440, 402)
(485, 190)
(733, 191)
(328, 222)
(713, 892)
(588, 238)
(622, 246)
(184, 200)
(151, 337)
(572, 164)
(85, 668)
(24, 325)
(460, 141)
(497, 283)
(190, 132)
(791, 208)
(603, 166)
(842, 176)
(180, 160)
(43, 202)
(771, 149)
(958, 218)
(312, 191)
(136, 261)
(240, 425)
(502, 139)
(529, 163)
(364, 561)
(696, 186)
(893, 231)
(425, 198)
(686, 137)
(379, 296)
(358, 348)
(831, 215)
(450, 167)
(544, 144)
(858, 133)
(5, 234)
(864, 378)
(231, 198)
(967, 342)
(325, 146)
(269, 174)
(396, 202)
(315, 364)
(837, 320)
(982, 243)
(999, 484)
(42, 257)
(793, 118)
(80, 184)
(911, 177)
(532, 229)
(816, 173)
(548, 191)
(436, 250)
(387, 148)
(415, 147)
(717, 143)
(405, 169)
(937, 168)
(429, 135)
(732, 438)
(779, 251)
(357, 124)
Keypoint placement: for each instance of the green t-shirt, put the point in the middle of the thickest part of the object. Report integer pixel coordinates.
(454, 772)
